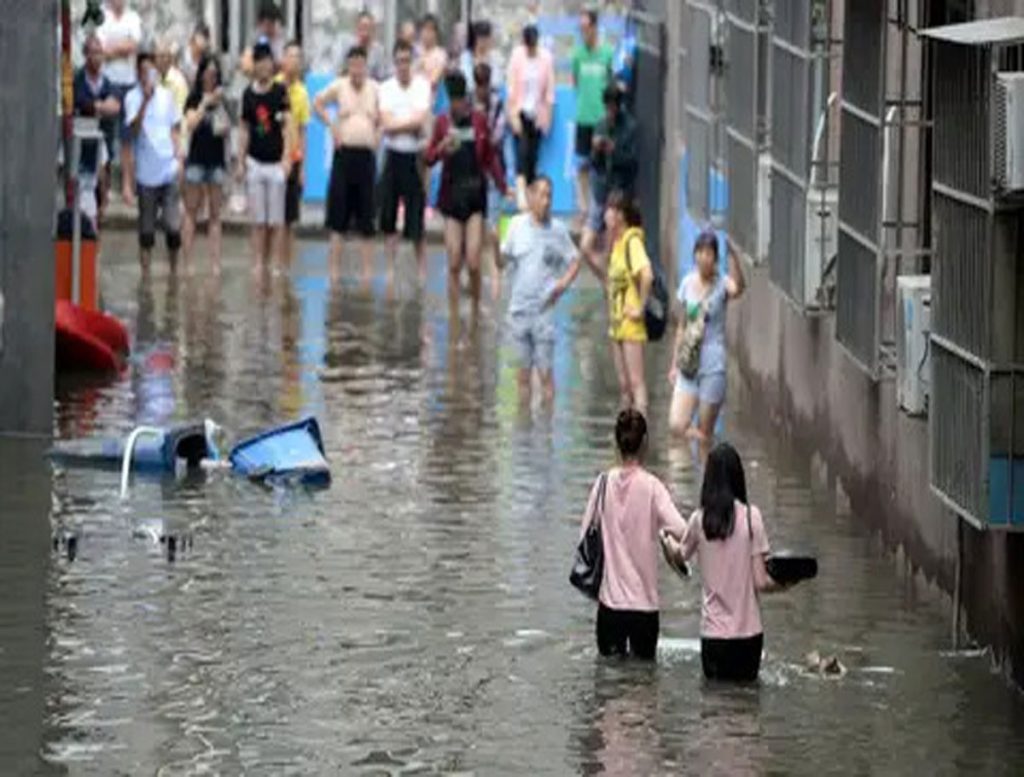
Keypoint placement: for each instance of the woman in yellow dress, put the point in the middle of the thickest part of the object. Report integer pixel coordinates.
(629, 282)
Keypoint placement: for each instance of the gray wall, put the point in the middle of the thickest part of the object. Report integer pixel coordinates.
(28, 137)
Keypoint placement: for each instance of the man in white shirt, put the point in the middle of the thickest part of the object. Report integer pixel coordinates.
(405, 102)
(121, 34)
(153, 119)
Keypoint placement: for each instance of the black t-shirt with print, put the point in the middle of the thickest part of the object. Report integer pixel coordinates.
(264, 112)
(205, 149)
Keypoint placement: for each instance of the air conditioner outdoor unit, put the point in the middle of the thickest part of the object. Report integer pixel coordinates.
(913, 354)
(821, 238)
(1008, 132)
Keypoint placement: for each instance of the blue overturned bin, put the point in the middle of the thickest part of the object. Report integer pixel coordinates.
(188, 443)
(293, 453)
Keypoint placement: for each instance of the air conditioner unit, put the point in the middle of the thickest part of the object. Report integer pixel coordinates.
(913, 353)
(821, 237)
(1008, 132)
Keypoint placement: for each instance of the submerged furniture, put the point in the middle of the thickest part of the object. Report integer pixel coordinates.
(290, 453)
(157, 452)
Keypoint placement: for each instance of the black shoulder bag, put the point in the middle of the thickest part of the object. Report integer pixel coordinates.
(588, 562)
(656, 308)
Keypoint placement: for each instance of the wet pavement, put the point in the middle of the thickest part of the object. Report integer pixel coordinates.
(416, 618)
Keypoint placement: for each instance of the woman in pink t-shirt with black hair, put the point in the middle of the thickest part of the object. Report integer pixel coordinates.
(637, 506)
(728, 537)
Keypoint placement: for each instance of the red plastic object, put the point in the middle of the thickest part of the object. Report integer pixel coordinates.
(88, 340)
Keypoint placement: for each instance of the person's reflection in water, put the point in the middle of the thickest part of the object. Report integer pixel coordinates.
(625, 735)
(153, 379)
(726, 739)
(292, 401)
(459, 441)
(203, 367)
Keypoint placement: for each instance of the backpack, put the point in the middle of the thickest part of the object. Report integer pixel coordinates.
(656, 309)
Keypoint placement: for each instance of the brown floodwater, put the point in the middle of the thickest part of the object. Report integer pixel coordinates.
(415, 618)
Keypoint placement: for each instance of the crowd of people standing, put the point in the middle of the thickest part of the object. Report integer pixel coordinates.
(170, 122)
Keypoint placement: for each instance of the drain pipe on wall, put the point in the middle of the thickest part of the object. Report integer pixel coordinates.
(958, 582)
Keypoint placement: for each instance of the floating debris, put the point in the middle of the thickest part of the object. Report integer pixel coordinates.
(824, 666)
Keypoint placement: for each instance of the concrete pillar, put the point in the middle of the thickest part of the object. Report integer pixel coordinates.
(28, 135)
(672, 149)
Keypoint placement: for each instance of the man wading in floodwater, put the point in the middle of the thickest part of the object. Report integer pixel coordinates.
(543, 262)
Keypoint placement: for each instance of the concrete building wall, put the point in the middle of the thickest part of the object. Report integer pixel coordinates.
(874, 455)
(28, 124)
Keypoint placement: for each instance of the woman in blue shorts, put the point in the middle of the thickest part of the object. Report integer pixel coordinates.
(698, 388)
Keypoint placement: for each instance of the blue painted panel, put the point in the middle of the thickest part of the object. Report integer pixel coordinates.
(319, 145)
(1001, 511)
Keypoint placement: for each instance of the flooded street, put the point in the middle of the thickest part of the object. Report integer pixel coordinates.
(416, 617)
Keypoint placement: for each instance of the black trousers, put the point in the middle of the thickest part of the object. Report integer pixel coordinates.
(528, 149)
(627, 633)
(401, 181)
(350, 194)
(732, 660)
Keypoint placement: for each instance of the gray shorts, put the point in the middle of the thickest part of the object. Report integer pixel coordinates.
(709, 388)
(159, 206)
(533, 338)
(266, 187)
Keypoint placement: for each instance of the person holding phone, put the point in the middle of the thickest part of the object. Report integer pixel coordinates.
(153, 119)
(264, 158)
(208, 125)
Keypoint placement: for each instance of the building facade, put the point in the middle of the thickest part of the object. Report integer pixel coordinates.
(866, 203)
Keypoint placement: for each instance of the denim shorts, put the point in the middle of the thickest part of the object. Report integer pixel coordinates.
(595, 210)
(709, 388)
(533, 338)
(199, 175)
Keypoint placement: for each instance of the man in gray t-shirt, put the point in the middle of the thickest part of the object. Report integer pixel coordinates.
(543, 262)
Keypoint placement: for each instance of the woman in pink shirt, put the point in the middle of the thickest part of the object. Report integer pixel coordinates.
(728, 537)
(531, 104)
(636, 507)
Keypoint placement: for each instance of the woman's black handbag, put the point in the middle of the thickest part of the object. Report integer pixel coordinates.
(588, 563)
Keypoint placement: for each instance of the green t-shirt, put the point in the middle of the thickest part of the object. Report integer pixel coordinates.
(591, 69)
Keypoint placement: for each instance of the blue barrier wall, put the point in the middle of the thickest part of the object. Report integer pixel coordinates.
(689, 228)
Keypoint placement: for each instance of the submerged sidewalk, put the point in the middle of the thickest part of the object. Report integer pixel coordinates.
(311, 222)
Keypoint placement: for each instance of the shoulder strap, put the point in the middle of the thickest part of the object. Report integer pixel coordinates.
(629, 261)
(602, 485)
(750, 528)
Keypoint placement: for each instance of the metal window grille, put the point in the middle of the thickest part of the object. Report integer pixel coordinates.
(697, 106)
(745, 120)
(977, 284)
(800, 198)
(961, 307)
(959, 422)
(859, 260)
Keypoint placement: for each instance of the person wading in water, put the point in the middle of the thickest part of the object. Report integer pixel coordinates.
(461, 141)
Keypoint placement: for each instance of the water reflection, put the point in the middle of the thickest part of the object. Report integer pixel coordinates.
(416, 617)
